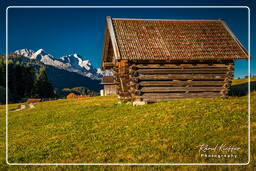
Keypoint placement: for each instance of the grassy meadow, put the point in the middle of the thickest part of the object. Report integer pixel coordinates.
(100, 130)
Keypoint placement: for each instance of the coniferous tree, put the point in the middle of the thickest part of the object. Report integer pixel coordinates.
(12, 96)
(42, 88)
(2, 95)
(22, 82)
(28, 79)
(2, 72)
(19, 82)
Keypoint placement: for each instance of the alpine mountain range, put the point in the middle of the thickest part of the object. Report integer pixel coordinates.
(72, 63)
(67, 71)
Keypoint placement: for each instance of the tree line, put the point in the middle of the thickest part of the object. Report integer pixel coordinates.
(23, 82)
(78, 91)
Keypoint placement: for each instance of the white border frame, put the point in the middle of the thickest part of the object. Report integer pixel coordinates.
(249, 92)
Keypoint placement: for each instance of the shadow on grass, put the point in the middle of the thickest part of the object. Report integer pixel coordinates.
(241, 89)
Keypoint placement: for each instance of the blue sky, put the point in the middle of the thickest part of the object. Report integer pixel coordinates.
(65, 31)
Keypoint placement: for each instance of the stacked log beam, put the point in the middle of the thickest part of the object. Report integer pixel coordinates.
(164, 81)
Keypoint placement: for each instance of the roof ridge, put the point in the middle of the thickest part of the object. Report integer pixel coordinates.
(147, 19)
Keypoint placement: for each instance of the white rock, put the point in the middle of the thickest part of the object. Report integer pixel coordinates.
(31, 106)
(138, 103)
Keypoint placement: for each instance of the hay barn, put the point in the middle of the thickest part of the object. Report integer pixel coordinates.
(155, 60)
(109, 85)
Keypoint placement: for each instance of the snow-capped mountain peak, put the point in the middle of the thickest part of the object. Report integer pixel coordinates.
(77, 62)
(44, 57)
(25, 52)
(40, 50)
(105, 73)
(77, 56)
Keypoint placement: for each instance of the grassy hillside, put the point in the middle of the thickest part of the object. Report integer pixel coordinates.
(100, 130)
(243, 81)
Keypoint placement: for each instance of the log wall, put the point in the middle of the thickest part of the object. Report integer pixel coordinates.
(153, 82)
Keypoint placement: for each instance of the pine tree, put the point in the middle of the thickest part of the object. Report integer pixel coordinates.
(28, 79)
(19, 81)
(12, 86)
(2, 72)
(2, 95)
(42, 88)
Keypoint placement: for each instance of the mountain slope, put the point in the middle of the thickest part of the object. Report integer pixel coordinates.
(64, 79)
(61, 78)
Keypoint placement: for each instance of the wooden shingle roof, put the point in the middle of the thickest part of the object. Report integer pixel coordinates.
(143, 39)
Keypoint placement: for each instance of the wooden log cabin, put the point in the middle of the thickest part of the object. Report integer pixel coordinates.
(155, 60)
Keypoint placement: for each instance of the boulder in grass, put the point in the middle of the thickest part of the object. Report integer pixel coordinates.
(31, 106)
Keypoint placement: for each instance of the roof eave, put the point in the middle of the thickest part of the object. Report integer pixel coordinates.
(236, 40)
(113, 38)
(105, 50)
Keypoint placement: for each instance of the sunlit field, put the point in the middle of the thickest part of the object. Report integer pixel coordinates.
(101, 130)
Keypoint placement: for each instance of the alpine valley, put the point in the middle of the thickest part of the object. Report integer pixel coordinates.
(65, 72)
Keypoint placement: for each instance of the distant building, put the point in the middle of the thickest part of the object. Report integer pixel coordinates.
(109, 85)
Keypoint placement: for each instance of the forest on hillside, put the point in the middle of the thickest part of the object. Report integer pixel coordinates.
(32, 79)
(23, 82)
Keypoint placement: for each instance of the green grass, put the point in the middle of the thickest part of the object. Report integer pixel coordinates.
(100, 130)
(242, 81)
